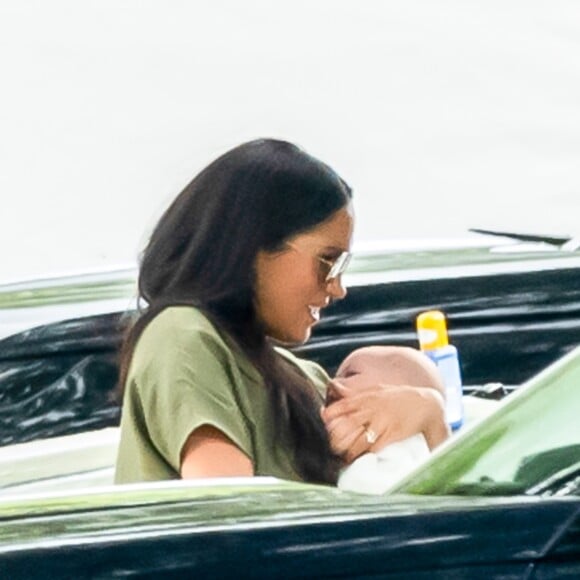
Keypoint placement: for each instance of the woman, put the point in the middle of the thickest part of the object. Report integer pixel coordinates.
(247, 256)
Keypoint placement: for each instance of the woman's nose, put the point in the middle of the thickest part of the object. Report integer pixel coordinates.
(336, 289)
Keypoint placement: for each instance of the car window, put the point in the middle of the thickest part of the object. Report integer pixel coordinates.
(530, 445)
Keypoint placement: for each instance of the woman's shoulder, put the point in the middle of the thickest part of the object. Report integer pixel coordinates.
(178, 328)
(175, 319)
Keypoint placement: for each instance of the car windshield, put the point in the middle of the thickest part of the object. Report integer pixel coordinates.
(531, 445)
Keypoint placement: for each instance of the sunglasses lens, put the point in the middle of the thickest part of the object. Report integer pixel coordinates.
(339, 266)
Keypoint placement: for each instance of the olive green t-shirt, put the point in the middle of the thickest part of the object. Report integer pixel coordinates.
(184, 375)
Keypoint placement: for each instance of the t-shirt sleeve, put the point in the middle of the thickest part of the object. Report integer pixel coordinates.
(187, 378)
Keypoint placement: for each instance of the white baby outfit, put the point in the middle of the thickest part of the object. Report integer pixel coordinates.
(374, 473)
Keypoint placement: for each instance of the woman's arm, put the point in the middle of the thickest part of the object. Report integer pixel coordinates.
(393, 413)
(209, 453)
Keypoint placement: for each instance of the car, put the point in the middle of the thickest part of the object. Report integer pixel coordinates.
(489, 504)
(499, 500)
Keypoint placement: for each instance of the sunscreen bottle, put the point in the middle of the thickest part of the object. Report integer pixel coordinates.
(433, 341)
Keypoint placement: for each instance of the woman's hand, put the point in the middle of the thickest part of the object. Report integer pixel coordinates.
(369, 417)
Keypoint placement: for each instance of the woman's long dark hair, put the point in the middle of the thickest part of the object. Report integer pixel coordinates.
(203, 252)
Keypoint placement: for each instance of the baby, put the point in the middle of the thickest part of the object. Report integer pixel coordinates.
(374, 472)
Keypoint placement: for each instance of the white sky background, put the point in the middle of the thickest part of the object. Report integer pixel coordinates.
(441, 114)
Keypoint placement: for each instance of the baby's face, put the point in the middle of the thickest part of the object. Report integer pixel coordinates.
(363, 378)
(359, 370)
(367, 366)
(384, 365)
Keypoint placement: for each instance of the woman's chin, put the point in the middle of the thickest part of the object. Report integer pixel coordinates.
(294, 338)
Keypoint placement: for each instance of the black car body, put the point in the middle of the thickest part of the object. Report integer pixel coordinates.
(283, 530)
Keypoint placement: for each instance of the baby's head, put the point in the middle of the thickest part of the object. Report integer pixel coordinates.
(389, 365)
